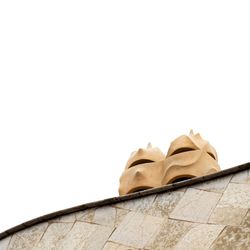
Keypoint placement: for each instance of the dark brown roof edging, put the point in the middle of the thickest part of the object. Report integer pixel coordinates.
(114, 200)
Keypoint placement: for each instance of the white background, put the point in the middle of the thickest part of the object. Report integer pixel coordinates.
(82, 84)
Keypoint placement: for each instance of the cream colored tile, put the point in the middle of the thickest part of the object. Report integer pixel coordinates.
(4, 243)
(233, 238)
(164, 204)
(227, 215)
(195, 205)
(53, 235)
(114, 246)
(109, 216)
(136, 230)
(85, 236)
(85, 215)
(216, 185)
(170, 233)
(105, 216)
(236, 195)
(199, 237)
(28, 238)
(241, 177)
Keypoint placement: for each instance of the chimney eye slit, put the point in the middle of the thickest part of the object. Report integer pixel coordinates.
(211, 155)
(141, 161)
(182, 150)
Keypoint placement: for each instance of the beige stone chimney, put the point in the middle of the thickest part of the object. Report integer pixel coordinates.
(188, 156)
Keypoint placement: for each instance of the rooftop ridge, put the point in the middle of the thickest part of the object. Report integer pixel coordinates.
(113, 200)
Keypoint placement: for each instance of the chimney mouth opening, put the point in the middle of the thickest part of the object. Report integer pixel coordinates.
(181, 178)
(137, 189)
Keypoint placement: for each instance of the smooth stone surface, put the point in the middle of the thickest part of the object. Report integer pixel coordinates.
(136, 230)
(86, 215)
(109, 216)
(241, 177)
(85, 236)
(199, 237)
(233, 238)
(217, 185)
(236, 195)
(4, 243)
(196, 206)
(53, 235)
(27, 239)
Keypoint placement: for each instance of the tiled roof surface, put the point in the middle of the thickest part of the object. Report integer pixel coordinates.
(209, 207)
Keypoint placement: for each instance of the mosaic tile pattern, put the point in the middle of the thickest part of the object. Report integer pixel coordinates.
(212, 215)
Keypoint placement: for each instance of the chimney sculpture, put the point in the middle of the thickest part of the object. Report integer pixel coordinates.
(188, 156)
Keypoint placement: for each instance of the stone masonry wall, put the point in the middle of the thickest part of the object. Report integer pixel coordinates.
(211, 215)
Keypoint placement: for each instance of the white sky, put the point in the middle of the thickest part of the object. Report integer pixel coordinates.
(82, 85)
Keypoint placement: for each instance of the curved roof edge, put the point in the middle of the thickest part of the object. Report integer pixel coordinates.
(114, 200)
